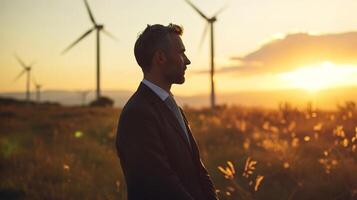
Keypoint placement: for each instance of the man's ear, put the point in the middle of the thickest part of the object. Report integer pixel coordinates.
(160, 57)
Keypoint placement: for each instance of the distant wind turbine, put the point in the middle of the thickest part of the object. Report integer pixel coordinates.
(26, 69)
(210, 23)
(98, 28)
(84, 96)
(38, 90)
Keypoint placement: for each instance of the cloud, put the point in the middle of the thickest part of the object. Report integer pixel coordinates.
(297, 50)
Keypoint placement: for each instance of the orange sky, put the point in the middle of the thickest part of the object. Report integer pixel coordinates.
(38, 30)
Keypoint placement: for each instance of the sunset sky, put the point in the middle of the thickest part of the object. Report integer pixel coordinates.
(260, 45)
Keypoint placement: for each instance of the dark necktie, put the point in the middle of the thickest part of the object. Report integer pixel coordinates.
(170, 102)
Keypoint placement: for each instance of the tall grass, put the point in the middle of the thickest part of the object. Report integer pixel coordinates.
(51, 152)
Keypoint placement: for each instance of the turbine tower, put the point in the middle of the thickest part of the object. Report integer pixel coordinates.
(27, 70)
(84, 96)
(38, 90)
(210, 23)
(98, 28)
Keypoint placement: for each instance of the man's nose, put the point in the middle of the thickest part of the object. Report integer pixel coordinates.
(187, 61)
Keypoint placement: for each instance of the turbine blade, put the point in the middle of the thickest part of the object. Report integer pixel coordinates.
(196, 9)
(203, 36)
(79, 39)
(18, 76)
(90, 13)
(109, 34)
(221, 10)
(20, 61)
(32, 63)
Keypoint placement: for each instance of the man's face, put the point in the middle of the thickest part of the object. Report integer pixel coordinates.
(174, 69)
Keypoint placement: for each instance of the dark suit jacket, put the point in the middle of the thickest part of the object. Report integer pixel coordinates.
(156, 159)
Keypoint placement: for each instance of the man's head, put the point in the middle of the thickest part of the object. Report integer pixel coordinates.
(160, 53)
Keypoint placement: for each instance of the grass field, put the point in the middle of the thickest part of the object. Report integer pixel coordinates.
(51, 152)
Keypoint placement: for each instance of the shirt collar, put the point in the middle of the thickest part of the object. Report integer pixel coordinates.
(157, 90)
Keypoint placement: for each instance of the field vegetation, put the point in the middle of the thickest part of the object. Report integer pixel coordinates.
(54, 152)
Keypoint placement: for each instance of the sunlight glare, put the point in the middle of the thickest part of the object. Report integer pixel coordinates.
(317, 77)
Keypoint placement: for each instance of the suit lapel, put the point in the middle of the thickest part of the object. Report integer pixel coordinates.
(174, 122)
(161, 105)
(192, 140)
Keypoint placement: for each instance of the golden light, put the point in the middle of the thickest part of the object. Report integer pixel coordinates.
(317, 77)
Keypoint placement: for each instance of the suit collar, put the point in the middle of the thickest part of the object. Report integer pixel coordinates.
(158, 90)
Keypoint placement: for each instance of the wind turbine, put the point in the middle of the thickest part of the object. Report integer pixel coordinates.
(38, 90)
(84, 96)
(210, 23)
(26, 69)
(98, 28)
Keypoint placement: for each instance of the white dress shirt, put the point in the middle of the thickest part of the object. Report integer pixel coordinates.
(158, 90)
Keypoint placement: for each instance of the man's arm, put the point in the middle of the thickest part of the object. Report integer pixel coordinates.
(205, 180)
(206, 183)
(144, 160)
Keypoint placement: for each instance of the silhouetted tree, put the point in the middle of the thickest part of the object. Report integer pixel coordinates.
(102, 102)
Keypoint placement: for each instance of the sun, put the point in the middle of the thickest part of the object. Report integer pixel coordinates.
(317, 77)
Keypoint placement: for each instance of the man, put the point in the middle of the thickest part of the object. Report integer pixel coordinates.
(157, 151)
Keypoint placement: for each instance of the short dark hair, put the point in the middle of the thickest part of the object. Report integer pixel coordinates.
(150, 40)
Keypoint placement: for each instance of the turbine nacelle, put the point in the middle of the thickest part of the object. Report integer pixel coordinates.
(212, 19)
(99, 26)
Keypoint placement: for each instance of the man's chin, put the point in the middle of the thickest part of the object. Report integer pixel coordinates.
(179, 81)
(182, 80)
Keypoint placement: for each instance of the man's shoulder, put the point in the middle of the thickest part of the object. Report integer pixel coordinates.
(137, 104)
